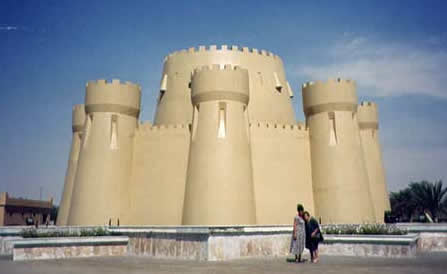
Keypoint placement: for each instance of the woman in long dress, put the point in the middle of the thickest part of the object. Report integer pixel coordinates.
(298, 240)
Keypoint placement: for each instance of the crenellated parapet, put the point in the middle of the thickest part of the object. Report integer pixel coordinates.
(279, 130)
(297, 127)
(335, 94)
(78, 118)
(147, 129)
(220, 83)
(267, 83)
(222, 49)
(367, 115)
(114, 96)
(185, 61)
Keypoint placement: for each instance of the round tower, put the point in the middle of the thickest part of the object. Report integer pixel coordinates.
(340, 180)
(105, 159)
(369, 125)
(78, 119)
(219, 187)
(270, 93)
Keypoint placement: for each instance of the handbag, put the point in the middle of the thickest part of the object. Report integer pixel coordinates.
(319, 236)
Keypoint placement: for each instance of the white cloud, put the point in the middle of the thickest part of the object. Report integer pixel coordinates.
(384, 68)
(8, 28)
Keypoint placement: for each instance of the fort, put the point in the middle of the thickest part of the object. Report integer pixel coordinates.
(224, 148)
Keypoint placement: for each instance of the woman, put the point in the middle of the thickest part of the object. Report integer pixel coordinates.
(298, 235)
(313, 236)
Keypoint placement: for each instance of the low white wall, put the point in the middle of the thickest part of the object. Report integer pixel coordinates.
(216, 243)
(62, 248)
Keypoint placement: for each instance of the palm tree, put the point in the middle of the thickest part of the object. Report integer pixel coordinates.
(444, 207)
(429, 196)
(403, 204)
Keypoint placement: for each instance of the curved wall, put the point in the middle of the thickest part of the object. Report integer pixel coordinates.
(267, 83)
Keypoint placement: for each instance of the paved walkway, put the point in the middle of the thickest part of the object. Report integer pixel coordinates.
(428, 263)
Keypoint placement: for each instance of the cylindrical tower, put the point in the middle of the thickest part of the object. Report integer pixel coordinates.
(369, 125)
(267, 84)
(340, 180)
(219, 187)
(78, 119)
(105, 160)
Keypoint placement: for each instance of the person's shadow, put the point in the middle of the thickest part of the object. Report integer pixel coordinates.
(292, 260)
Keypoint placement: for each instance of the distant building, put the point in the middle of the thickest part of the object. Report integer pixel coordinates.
(18, 211)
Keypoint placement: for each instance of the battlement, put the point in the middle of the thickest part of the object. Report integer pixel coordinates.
(298, 126)
(367, 115)
(114, 96)
(148, 129)
(223, 48)
(217, 82)
(217, 67)
(78, 117)
(267, 79)
(335, 94)
(275, 130)
(368, 104)
(113, 82)
(330, 81)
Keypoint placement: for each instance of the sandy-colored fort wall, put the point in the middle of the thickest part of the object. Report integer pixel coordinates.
(283, 183)
(224, 149)
(219, 184)
(340, 178)
(157, 187)
(369, 133)
(267, 83)
(101, 186)
(78, 119)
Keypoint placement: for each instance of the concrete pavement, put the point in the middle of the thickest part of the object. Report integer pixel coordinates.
(426, 263)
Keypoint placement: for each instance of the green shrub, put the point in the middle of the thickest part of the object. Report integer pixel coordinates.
(373, 229)
(34, 233)
(99, 231)
(365, 229)
(29, 233)
(340, 229)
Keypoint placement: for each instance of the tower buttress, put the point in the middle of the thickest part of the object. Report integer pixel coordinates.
(219, 186)
(369, 135)
(340, 179)
(105, 160)
(78, 119)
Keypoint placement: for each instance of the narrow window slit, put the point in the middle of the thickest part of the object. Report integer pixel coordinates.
(332, 130)
(221, 132)
(114, 132)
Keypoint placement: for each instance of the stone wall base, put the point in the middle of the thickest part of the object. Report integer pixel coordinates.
(64, 252)
(432, 242)
(213, 243)
(228, 246)
(368, 250)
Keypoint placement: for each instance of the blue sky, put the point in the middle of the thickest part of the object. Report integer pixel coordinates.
(396, 50)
